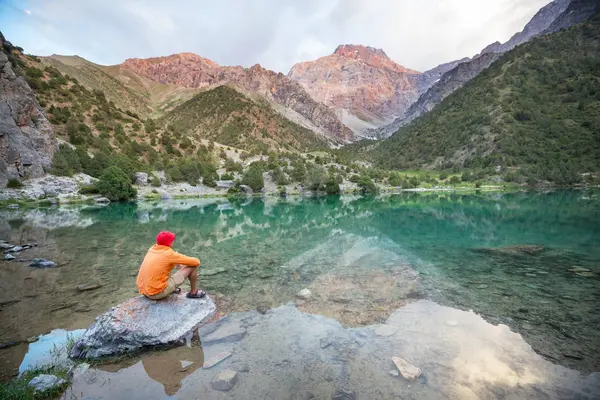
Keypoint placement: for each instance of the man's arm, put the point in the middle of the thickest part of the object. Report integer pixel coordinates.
(178, 258)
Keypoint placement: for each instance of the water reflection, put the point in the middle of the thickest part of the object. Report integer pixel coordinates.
(259, 254)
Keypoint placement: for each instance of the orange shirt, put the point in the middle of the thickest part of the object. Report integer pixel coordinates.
(154, 272)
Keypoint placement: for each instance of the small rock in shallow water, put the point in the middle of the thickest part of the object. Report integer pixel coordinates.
(41, 263)
(44, 382)
(394, 372)
(304, 294)
(482, 287)
(407, 370)
(88, 286)
(224, 380)
(227, 332)
(9, 257)
(6, 246)
(16, 249)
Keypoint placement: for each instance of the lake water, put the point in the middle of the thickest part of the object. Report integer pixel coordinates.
(363, 260)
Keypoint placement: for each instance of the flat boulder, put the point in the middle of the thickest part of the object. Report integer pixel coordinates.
(140, 322)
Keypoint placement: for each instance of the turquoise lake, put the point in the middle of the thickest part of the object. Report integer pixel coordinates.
(362, 258)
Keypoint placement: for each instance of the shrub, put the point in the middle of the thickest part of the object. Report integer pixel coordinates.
(89, 189)
(454, 180)
(443, 176)
(254, 178)
(115, 185)
(367, 186)
(155, 180)
(354, 178)
(14, 184)
(227, 177)
(332, 186)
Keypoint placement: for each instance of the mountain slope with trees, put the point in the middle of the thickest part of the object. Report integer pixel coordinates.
(535, 113)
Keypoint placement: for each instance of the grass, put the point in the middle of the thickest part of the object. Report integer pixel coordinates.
(18, 389)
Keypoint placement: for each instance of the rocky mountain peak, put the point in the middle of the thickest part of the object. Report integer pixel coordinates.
(371, 56)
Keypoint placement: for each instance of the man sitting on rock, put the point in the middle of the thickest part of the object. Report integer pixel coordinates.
(153, 280)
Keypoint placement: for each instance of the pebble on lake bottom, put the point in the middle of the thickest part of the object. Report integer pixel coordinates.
(224, 380)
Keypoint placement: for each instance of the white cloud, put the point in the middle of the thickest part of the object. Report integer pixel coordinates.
(28, 12)
(275, 33)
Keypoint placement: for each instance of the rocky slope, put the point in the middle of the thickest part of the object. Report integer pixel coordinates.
(365, 87)
(577, 11)
(27, 141)
(463, 72)
(192, 71)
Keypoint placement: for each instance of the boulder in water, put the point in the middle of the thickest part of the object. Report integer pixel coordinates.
(140, 322)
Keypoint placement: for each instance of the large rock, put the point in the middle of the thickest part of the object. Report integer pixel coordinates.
(140, 322)
(27, 142)
(141, 178)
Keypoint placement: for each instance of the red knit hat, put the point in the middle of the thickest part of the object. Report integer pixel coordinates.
(165, 238)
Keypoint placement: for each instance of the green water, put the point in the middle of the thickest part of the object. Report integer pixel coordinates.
(260, 253)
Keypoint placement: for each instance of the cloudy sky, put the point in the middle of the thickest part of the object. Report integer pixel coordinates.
(419, 34)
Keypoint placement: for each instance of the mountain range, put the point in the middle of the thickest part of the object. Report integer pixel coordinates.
(353, 93)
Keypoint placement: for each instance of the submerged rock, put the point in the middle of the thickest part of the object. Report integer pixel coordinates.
(578, 269)
(41, 263)
(407, 370)
(44, 382)
(9, 257)
(140, 322)
(88, 286)
(224, 380)
(304, 294)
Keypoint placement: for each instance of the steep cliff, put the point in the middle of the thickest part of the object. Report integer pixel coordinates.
(27, 142)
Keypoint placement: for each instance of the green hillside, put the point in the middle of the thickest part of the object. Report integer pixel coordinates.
(535, 112)
(226, 116)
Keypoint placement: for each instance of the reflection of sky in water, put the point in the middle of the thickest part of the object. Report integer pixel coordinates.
(461, 356)
(48, 349)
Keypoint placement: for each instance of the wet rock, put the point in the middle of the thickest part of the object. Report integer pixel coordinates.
(407, 370)
(141, 178)
(44, 382)
(7, 345)
(132, 325)
(211, 362)
(16, 249)
(9, 257)
(304, 294)
(102, 200)
(224, 380)
(33, 339)
(386, 330)
(263, 308)
(88, 286)
(342, 394)
(6, 246)
(243, 368)
(586, 274)
(42, 263)
(227, 332)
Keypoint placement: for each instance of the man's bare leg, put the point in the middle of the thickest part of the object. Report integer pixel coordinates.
(192, 274)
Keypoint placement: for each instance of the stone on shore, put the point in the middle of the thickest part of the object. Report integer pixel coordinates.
(224, 380)
(140, 322)
(44, 382)
(407, 370)
(41, 263)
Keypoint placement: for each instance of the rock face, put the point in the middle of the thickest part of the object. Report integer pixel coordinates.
(362, 84)
(140, 322)
(577, 11)
(27, 142)
(141, 178)
(465, 71)
(192, 71)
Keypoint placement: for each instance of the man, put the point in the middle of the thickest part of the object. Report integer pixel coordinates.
(153, 280)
